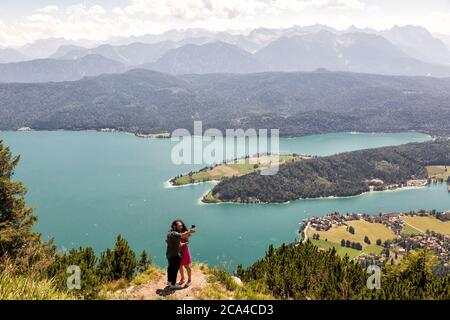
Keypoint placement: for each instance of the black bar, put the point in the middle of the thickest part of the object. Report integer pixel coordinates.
(229, 309)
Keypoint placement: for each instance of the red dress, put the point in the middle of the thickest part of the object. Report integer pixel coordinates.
(185, 254)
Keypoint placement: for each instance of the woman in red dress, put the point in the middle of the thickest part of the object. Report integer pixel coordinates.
(186, 259)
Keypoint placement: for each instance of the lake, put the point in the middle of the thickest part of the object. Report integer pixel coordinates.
(88, 187)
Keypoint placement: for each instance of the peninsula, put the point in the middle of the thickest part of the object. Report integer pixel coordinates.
(345, 174)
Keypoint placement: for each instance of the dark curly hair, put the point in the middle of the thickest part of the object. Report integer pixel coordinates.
(174, 224)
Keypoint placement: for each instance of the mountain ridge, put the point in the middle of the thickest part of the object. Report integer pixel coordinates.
(51, 70)
(296, 103)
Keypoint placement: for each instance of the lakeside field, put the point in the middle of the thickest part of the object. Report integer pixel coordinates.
(235, 168)
(362, 228)
(334, 236)
(438, 172)
(409, 231)
(418, 224)
(342, 251)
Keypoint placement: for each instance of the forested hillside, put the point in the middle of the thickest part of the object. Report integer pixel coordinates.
(345, 174)
(302, 272)
(296, 103)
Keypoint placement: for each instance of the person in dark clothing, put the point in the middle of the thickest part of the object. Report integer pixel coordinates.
(173, 252)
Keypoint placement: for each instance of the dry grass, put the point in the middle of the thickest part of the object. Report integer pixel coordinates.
(213, 291)
(116, 285)
(438, 172)
(151, 274)
(221, 285)
(222, 171)
(28, 287)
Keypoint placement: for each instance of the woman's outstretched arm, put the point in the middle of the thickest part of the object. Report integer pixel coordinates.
(186, 234)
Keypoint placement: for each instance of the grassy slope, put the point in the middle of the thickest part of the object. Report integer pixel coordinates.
(13, 287)
(428, 223)
(342, 251)
(242, 167)
(409, 231)
(438, 172)
(362, 228)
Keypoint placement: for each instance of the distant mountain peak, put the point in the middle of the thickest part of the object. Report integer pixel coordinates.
(51, 70)
(214, 57)
(11, 55)
(419, 43)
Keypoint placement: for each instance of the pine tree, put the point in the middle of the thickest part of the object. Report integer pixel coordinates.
(118, 263)
(144, 262)
(351, 230)
(16, 220)
(85, 259)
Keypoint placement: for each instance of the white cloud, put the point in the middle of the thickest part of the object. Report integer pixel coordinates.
(81, 10)
(139, 17)
(344, 4)
(48, 9)
(194, 9)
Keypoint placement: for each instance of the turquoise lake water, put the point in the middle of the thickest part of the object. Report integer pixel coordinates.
(88, 187)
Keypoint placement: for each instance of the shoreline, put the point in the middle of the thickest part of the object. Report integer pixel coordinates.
(322, 198)
(200, 200)
(148, 136)
(156, 136)
(168, 185)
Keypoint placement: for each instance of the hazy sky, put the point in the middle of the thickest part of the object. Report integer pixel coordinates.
(22, 21)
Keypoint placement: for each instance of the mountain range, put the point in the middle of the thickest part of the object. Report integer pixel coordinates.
(44, 48)
(406, 50)
(354, 52)
(133, 54)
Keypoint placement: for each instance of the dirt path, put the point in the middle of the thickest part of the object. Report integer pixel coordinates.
(305, 232)
(158, 289)
(421, 231)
